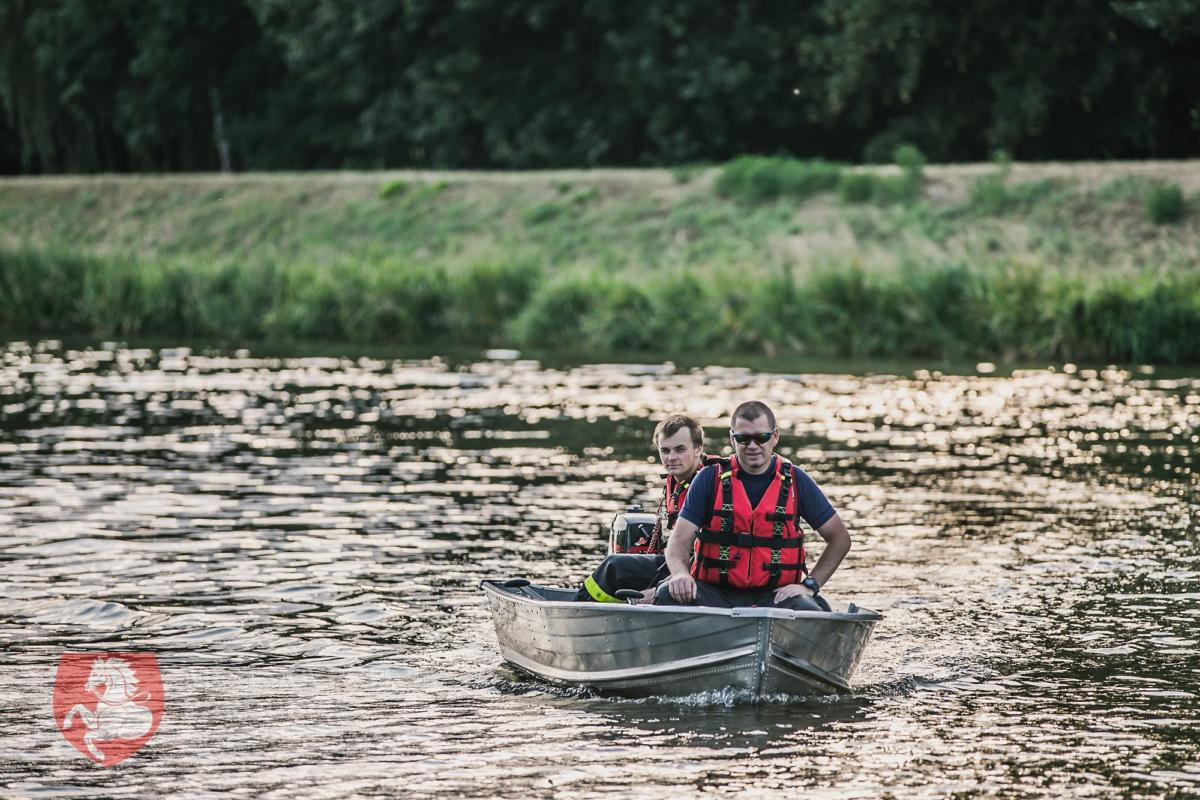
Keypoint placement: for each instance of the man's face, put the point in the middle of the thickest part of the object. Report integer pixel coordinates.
(752, 455)
(679, 456)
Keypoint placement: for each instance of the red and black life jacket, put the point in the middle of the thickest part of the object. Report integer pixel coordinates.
(751, 548)
(674, 495)
(675, 492)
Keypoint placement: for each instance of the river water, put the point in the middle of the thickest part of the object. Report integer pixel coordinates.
(300, 540)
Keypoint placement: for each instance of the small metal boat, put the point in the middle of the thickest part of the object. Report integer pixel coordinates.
(644, 650)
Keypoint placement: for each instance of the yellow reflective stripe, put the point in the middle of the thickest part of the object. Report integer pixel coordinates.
(725, 475)
(598, 594)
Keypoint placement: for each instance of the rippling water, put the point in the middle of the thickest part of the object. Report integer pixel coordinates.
(300, 541)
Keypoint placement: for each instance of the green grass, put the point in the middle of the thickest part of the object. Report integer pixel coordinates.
(945, 311)
(757, 179)
(906, 260)
(994, 194)
(1164, 204)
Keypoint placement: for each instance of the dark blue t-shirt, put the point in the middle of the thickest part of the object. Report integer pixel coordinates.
(814, 507)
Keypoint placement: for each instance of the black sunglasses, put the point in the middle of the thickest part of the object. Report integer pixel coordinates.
(758, 438)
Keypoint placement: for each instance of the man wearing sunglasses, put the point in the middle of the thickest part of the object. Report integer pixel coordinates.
(740, 528)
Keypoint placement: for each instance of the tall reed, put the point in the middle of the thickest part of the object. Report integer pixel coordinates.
(945, 311)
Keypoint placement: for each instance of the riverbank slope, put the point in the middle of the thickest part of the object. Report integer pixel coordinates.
(1061, 261)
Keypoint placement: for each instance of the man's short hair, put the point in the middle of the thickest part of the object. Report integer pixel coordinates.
(674, 424)
(752, 410)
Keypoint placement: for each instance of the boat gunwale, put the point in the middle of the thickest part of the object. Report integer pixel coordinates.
(494, 587)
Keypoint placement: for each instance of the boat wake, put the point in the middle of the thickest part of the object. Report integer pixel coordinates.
(732, 696)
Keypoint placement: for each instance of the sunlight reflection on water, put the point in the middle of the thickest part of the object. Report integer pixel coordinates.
(300, 540)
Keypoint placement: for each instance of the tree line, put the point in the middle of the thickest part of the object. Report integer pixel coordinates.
(198, 85)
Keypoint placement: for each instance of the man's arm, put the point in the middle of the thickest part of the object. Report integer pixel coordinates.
(837, 544)
(681, 584)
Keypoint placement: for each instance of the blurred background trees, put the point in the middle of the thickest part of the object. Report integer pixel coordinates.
(122, 85)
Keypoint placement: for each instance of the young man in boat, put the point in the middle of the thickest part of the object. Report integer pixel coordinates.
(738, 541)
(679, 440)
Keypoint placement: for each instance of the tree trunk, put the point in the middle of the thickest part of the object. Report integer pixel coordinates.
(219, 130)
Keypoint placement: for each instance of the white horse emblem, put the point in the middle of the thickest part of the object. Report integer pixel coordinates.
(120, 712)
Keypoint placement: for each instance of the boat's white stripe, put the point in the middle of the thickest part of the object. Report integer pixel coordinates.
(647, 671)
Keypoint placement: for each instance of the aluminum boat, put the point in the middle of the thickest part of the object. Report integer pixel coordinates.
(645, 650)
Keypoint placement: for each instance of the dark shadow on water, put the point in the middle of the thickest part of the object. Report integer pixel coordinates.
(725, 719)
(454, 354)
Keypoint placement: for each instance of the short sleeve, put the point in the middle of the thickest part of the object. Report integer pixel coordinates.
(811, 503)
(697, 506)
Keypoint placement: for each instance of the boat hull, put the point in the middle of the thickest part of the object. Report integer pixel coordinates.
(641, 651)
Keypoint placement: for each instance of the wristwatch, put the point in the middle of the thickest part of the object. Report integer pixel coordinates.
(811, 583)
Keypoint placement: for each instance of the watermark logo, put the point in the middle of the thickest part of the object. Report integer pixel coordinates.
(108, 704)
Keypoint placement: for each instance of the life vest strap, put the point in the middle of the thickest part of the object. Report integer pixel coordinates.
(779, 517)
(725, 562)
(746, 540)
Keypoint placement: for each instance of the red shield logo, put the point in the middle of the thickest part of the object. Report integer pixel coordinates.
(108, 704)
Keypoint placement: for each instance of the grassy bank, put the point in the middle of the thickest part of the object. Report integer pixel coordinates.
(986, 261)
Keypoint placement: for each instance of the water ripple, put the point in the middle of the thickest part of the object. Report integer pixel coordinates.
(300, 540)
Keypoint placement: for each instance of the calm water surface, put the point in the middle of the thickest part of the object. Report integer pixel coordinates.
(301, 540)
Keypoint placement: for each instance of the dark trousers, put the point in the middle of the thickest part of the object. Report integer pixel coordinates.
(726, 597)
(622, 571)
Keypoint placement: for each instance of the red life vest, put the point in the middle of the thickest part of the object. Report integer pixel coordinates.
(674, 495)
(751, 548)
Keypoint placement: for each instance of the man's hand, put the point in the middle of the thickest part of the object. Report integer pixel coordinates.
(792, 590)
(682, 587)
(647, 597)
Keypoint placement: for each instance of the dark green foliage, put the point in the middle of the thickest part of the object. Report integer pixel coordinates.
(92, 85)
(543, 212)
(486, 297)
(1124, 188)
(393, 189)
(39, 291)
(755, 179)
(929, 311)
(862, 187)
(912, 167)
(683, 314)
(620, 319)
(963, 79)
(1019, 313)
(1152, 320)
(991, 195)
(855, 313)
(555, 315)
(995, 194)
(122, 85)
(585, 196)
(1164, 203)
(686, 173)
(856, 187)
